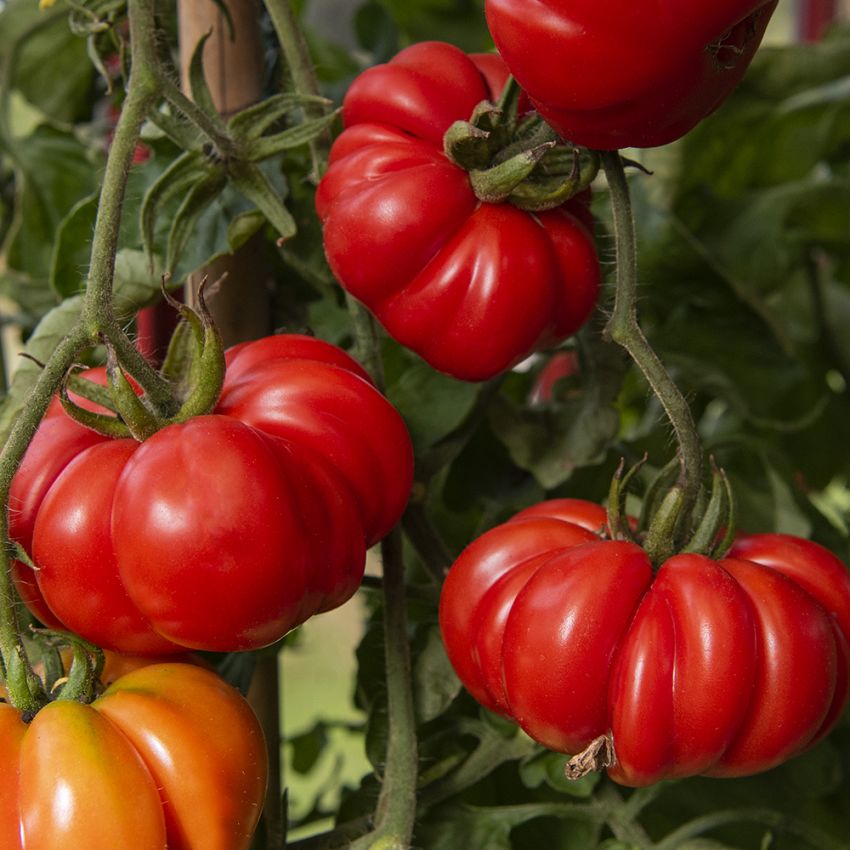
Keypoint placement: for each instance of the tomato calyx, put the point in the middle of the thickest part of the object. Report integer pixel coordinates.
(194, 368)
(518, 158)
(666, 527)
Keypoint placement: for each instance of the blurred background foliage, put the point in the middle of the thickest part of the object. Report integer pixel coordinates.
(744, 231)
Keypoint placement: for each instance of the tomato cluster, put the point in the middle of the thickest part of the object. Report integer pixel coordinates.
(223, 532)
(170, 756)
(722, 668)
(471, 287)
(614, 75)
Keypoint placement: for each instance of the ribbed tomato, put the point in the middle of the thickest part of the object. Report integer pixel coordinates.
(222, 532)
(170, 756)
(724, 668)
(471, 287)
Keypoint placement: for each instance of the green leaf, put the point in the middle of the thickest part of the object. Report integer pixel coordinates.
(42, 343)
(198, 198)
(178, 179)
(548, 767)
(269, 146)
(377, 31)
(198, 81)
(253, 121)
(72, 249)
(50, 67)
(435, 682)
(251, 182)
(432, 404)
(55, 173)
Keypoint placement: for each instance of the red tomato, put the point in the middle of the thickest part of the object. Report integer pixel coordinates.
(614, 75)
(169, 757)
(723, 668)
(471, 287)
(223, 532)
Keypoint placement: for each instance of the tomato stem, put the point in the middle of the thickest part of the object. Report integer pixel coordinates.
(300, 66)
(624, 329)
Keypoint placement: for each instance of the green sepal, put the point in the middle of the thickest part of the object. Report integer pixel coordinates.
(715, 517)
(182, 348)
(724, 544)
(493, 185)
(468, 146)
(89, 390)
(109, 426)
(658, 486)
(140, 421)
(618, 523)
(253, 121)
(250, 181)
(85, 670)
(207, 366)
(660, 540)
(545, 191)
(25, 689)
(264, 147)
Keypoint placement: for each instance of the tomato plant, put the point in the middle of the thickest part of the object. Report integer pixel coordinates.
(609, 75)
(137, 544)
(723, 668)
(472, 287)
(721, 265)
(169, 756)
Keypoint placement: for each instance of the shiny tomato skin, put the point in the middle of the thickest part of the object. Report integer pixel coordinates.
(74, 549)
(722, 668)
(331, 412)
(202, 745)
(83, 784)
(471, 287)
(219, 535)
(613, 75)
(169, 757)
(207, 537)
(56, 443)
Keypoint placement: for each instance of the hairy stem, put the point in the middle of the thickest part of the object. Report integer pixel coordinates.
(396, 809)
(98, 318)
(300, 66)
(624, 329)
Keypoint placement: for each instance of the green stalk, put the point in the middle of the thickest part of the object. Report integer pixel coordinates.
(624, 329)
(97, 319)
(297, 56)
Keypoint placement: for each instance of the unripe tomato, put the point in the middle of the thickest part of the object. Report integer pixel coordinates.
(170, 757)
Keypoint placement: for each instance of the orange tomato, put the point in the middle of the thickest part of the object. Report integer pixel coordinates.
(170, 756)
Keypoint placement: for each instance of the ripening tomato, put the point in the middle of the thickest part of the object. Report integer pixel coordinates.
(723, 668)
(170, 756)
(472, 287)
(617, 74)
(223, 532)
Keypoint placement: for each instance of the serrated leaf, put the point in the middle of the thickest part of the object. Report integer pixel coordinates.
(179, 178)
(199, 197)
(72, 248)
(251, 182)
